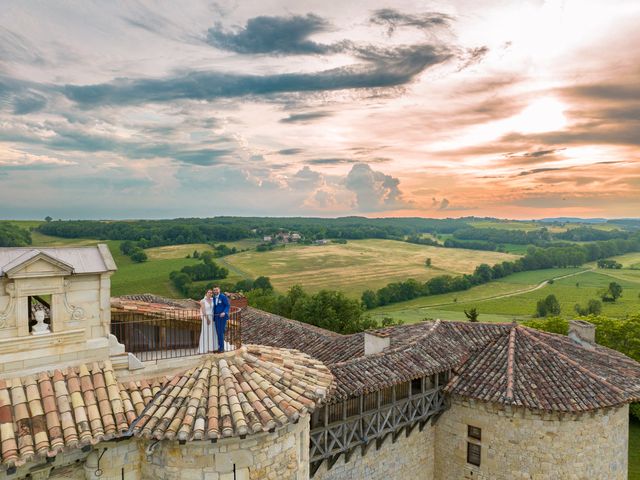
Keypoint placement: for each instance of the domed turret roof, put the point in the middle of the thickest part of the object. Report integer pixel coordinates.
(251, 390)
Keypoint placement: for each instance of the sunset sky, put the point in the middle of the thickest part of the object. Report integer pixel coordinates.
(516, 109)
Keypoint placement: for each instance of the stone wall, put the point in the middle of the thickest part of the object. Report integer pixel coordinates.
(520, 444)
(108, 459)
(282, 455)
(408, 458)
(80, 316)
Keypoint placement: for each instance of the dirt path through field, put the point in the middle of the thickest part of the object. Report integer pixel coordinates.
(510, 294)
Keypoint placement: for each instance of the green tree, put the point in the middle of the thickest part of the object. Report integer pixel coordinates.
(427, 262)
(369, 299)
(47, 219)
(472, 314)
(244, 285)
(612, 293)
(263, 283)
(139, 256)
(548, 306)
(594, 307)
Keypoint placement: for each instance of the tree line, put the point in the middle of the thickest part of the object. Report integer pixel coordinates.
(12, 235)
(183, 280)
(534, 259)
(328, 309)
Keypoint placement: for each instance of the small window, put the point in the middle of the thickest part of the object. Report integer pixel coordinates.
(474, 432)
(473, 454)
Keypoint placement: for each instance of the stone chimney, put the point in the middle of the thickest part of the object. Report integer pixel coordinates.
(583, 333)
(375, 342)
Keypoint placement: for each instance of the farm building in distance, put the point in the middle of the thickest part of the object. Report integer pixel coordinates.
(434, 400)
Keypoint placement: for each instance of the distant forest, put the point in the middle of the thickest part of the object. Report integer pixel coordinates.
(153, 233)
(459, 233)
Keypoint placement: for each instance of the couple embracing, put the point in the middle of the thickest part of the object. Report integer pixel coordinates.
(214, 311)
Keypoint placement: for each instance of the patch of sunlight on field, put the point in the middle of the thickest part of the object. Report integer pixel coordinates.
(176, 251)
(357, 265)
(40, 240)
(181, 251)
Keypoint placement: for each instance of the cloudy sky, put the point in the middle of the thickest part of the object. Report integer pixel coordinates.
(519, 109)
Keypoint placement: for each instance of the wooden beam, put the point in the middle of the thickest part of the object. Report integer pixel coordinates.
(380, 441)
(314, 466)
(409, 429)
(348, 454)
(331, 461)
(365, 447)
(396, 434)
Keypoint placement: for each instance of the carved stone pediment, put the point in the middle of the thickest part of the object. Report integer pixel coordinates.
(35, 263)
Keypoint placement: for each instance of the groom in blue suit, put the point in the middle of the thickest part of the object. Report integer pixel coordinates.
(220, 315)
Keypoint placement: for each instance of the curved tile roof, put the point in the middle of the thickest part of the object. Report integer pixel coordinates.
(42, 415)
(256, 389)
(542, 371)
(498, 362)
(249, 390)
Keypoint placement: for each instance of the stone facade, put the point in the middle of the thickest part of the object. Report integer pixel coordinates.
(409, 457)
(105, 461)
(79, 315)
(521, 444)
(281, 455)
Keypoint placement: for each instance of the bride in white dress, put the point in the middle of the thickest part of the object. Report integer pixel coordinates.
(208, 337)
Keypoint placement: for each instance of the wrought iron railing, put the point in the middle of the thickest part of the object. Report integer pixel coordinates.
(173, 334)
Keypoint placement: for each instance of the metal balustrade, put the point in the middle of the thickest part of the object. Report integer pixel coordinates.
(169, 334)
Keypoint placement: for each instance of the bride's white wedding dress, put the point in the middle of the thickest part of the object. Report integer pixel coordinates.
(208, 338)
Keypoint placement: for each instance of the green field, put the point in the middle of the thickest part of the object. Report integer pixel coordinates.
(515, 297)
(451, 306)
(181, 251)
(357, 265)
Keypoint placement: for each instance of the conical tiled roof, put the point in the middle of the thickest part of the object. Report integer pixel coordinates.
(254, 389)
(44, 414)
(541, 371)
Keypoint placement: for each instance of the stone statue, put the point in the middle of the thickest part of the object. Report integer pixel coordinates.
(40, 328)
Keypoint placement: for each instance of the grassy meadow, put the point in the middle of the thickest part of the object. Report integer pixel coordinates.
(515, 297)
(357, 265)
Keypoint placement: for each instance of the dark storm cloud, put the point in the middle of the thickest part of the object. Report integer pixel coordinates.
(28, 103)
(272, 35)
(392, 19)
(72, 140)
(304, 117)
(388, 68)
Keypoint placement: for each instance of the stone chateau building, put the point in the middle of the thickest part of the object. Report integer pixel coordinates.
(100, 388)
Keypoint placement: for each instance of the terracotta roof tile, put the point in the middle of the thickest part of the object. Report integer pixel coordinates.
(546, 372)
(45, 414)
(495, 362)
(255, 389)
